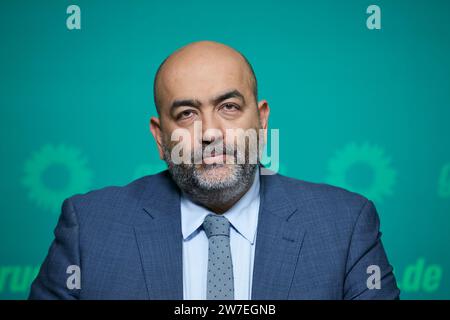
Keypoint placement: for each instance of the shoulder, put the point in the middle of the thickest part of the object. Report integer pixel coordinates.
(322, 201)
(116, 203)
(319, 191)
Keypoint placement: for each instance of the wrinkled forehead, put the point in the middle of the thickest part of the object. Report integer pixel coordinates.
(203, 76)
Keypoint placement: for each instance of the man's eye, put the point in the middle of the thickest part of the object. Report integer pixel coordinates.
(185, 114)
(230, 107)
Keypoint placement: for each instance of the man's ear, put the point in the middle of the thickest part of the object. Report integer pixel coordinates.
(264, 110)
(155, 128)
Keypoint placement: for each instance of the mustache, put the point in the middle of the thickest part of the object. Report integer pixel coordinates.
(213, 149)
(235, 152)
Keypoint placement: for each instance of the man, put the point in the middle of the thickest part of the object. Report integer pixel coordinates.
(211, 227)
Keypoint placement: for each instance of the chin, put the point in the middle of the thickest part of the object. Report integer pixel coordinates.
(216, 174)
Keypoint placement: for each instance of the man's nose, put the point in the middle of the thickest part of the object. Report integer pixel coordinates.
(211, 129)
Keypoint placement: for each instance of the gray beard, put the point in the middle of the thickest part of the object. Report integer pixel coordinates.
(211, 193)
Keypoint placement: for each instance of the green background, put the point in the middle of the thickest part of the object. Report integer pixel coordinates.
(365, 109)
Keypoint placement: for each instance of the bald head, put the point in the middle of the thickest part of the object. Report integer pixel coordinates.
(200, 66)
(206, 97)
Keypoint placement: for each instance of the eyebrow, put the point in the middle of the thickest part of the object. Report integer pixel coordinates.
(196, 103)
(185, 102)
(227, 95)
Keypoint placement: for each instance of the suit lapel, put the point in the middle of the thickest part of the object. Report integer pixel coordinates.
(278, 242)
(159, 239)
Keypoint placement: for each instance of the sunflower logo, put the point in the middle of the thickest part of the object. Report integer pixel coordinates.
(148, 168)
(364, 169)
(54, 173)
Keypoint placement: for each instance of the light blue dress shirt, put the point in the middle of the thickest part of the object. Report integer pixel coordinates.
(243, 217)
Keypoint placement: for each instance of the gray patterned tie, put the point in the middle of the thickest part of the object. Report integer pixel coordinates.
(220, 285)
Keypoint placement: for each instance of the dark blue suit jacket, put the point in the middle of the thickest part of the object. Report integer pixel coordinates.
(314, 241)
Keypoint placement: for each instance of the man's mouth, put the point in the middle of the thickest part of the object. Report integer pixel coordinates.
(219, 158)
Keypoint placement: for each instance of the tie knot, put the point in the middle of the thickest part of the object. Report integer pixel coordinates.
(216, 226)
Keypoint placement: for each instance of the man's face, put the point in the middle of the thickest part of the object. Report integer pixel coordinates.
(215, 89)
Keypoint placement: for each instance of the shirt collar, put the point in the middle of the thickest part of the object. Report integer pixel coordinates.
(243, 216)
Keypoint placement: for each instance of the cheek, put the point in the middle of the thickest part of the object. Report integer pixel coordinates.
(251, 117)
(181, 137)
(245, 122)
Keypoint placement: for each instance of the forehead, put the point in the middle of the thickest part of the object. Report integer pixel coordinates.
(202, 76)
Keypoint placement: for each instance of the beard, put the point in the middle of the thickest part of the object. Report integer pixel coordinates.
(213, 185)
